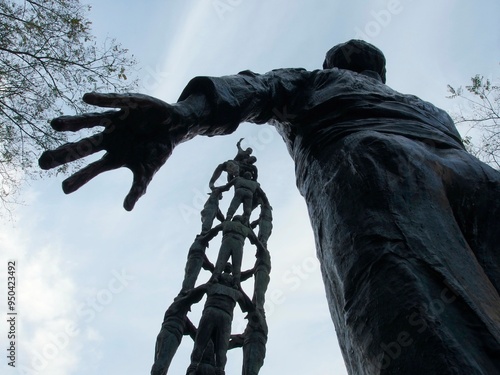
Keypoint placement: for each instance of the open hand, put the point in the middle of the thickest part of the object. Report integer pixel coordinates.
(140, 135)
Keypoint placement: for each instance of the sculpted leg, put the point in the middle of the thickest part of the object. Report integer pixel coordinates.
(193, 264)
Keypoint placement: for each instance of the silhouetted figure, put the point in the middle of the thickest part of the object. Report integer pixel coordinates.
(216, 320)
(244, 193)
(211, 210)
(172, 330)
(196, 259)
(404, 218)
(234, 233)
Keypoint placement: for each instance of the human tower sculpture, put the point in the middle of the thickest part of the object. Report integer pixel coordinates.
(212, 337)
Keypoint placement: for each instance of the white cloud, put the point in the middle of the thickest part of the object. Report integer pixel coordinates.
(45, 291)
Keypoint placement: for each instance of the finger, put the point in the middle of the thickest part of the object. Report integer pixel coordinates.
(144, 172)
(71, 152)
(114, 100)
(80, 178)
(142, 178)
(87, 120)
(86, 174)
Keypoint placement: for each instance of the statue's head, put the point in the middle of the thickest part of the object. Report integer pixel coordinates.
(228, 268)
(232, 168)
(239, 219)
(248, 175)
(356, 55)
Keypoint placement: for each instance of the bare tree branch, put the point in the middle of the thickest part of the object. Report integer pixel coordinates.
(48, 60)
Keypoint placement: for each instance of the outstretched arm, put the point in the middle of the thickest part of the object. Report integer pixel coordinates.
(262, 196)
(207, 237)
(245, 302)
(143, 131)
(227, 186)
(140, 135)
(218, 171)
(207, 265)
(245, 275)
(255, 241)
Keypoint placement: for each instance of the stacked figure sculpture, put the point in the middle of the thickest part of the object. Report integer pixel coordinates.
(213, 338)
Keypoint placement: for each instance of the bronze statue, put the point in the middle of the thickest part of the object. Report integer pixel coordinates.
(196, 259)
(175, 324)
(245, 189)
(404, 218)
(234, 233)
(261, 272)
(212, 337)
(243, 156)
(216, 319)
(242, 162)
(265, 221)
(211, 210)
(253, 341)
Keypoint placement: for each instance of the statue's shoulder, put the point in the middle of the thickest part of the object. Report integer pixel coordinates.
(279, 71)
(248, 73)
(426, 107)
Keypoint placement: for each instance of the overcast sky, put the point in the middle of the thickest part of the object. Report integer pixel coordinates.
(95, 280)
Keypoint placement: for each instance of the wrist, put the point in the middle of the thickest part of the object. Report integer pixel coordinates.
(193, 111)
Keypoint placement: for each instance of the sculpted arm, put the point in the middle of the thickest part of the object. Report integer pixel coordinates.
(255, 241)
(207, 237)
(140, 132)
(218, 171)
